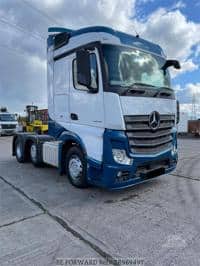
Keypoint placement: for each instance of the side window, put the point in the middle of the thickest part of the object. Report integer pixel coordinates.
(93, 71)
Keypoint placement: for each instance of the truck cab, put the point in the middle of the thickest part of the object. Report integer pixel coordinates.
(112, 109)
(8, 122)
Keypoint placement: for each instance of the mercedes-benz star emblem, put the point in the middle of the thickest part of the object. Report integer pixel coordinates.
(154, 120)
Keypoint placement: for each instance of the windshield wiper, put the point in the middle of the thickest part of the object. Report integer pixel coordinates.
(136, 88)
(134, 91)
(141, 84)
(163, 91)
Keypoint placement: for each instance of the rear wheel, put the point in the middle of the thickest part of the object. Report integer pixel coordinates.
(76, 167)
(19, 151)
(34, 155)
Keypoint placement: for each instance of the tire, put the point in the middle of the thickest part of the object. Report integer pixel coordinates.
(34, 155)
(76, 167)
(19, 151)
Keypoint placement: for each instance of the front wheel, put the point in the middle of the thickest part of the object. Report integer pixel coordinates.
(76, 167)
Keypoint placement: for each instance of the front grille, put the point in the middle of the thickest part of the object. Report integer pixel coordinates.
(142, 140)
(8, 126)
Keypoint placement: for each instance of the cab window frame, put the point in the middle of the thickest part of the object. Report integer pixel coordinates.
(73, 75)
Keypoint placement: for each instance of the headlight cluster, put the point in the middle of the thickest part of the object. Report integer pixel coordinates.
(121, 157)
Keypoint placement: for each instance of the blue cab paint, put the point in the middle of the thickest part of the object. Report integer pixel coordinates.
(103, 174)
(109, 169)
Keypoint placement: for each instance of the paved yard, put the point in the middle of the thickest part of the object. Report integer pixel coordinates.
(42, 217)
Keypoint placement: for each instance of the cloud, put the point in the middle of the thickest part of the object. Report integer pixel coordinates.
(172, 31)
(145, 1)
(197, 51)
(23, 80)
(23, 67)
(37, 63)
(194, 90)
(177, 88)
(23, 44)
(192, 93)
(49, 4)
(186, 66)
(179, 5)
(188, 108)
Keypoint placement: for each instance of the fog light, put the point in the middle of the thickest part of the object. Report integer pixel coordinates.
(174, 150)
(119, 174)
(121, 157)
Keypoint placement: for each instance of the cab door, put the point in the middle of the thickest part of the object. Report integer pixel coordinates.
(87, 108)
(61, 90)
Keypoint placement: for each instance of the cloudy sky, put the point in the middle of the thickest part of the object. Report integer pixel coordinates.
(175, 25)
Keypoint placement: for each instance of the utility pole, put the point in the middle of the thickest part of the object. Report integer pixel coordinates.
(194, 111)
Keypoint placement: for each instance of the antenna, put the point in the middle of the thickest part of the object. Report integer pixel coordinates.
(137, 34)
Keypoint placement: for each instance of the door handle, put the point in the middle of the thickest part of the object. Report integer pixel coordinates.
(74, 116)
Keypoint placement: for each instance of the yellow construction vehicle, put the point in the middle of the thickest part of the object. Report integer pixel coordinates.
(33, 122)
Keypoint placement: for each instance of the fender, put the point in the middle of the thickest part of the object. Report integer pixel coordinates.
(65, 137)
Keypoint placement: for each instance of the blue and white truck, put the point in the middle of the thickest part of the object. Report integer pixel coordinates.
(112, 110)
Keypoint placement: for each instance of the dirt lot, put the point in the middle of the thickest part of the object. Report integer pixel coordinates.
(43, 218)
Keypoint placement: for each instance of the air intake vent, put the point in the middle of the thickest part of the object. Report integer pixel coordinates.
(8, 126)
(61, 39)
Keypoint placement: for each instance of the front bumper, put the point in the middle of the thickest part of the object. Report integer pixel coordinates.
(112, 175)
(142, 170)
(7, 132)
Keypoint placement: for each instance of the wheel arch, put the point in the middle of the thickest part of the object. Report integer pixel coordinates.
(69, 140)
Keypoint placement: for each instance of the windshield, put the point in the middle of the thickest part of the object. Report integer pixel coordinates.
(126, 66)
(7, 117)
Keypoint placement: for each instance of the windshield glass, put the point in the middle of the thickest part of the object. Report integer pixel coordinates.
(127, 66)
(7, 117)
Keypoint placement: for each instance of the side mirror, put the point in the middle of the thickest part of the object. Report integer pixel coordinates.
(83, 68)
(169, 63)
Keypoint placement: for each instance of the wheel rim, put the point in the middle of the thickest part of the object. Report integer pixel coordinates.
(75, 167)
(33, 152)
(19, 151)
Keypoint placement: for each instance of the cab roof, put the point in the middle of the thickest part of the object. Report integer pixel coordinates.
(124, 38)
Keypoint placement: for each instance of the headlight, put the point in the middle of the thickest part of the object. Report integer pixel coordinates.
(121, 157)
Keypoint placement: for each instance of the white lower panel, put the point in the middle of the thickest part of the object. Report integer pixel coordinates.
(50, 153)
(92, 137)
